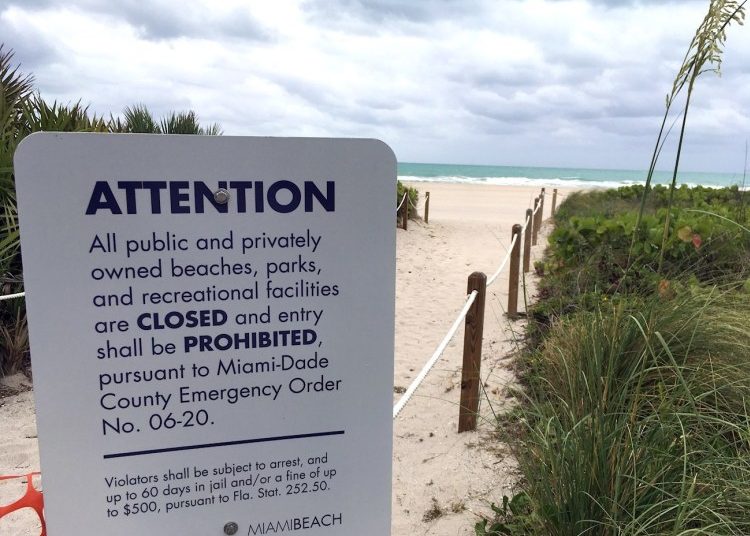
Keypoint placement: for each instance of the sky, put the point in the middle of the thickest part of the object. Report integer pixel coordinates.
(569, 83)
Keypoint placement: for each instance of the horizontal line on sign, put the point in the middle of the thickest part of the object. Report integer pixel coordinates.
(222, 444)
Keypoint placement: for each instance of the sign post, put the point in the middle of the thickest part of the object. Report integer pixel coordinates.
(211, 323)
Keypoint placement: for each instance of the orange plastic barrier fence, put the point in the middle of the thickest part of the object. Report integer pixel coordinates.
(31, 499)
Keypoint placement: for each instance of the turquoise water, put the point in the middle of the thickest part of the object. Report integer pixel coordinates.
(544, 176)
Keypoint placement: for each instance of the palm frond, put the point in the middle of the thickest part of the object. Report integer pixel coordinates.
(180, 123)
(138, 119)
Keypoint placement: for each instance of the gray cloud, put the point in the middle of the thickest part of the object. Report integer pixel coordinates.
(551, 82)
(380, 11)
(500, 80)
(27, 4)
(32, 48)
(375, 103)
(161, 19)
(630, 3)
(341, 108)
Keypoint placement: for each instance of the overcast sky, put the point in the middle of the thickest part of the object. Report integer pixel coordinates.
(577, 83)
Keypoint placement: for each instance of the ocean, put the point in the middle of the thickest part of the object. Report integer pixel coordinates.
(556, 177)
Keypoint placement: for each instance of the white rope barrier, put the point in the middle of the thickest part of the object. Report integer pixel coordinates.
(435, 356)
(402, 201)
(526, 223)
(510, 249)
(505, 261)
(412, 204)
(452, 331)
(11, 296)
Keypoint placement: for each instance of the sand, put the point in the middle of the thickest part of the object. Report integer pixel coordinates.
(443, 482)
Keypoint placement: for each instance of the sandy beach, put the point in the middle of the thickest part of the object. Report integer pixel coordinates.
(442, 481)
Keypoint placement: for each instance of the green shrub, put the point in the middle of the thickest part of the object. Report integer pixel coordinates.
(592, 254)
(413, 198)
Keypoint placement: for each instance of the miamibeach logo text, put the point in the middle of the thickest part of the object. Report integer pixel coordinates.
(295, 523)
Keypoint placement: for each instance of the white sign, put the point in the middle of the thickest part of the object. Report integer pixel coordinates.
(211, 324)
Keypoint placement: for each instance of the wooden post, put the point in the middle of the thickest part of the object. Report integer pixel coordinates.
(527, 241)
(539, 218)
(470, 377)
(534, 222)
(515, 262)
(405, 214)
(541, 208)
(427, 207)
(554, 200)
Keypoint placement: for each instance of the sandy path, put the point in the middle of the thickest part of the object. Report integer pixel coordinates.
(443, 481)
(450, 477)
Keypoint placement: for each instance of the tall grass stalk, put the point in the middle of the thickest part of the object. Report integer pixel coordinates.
(704, 55)
(742, 195)
(705, 50)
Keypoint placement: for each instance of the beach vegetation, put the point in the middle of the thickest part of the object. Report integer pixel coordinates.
(637, 420)
(633, 414)
(435, 511)
(413, 198)
(513, 516)
(22, 112)
(138, 119)
(41, 116)
(14, 339)
(703, 55)
(590, 257)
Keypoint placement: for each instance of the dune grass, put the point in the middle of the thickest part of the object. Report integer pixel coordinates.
(637, 422)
